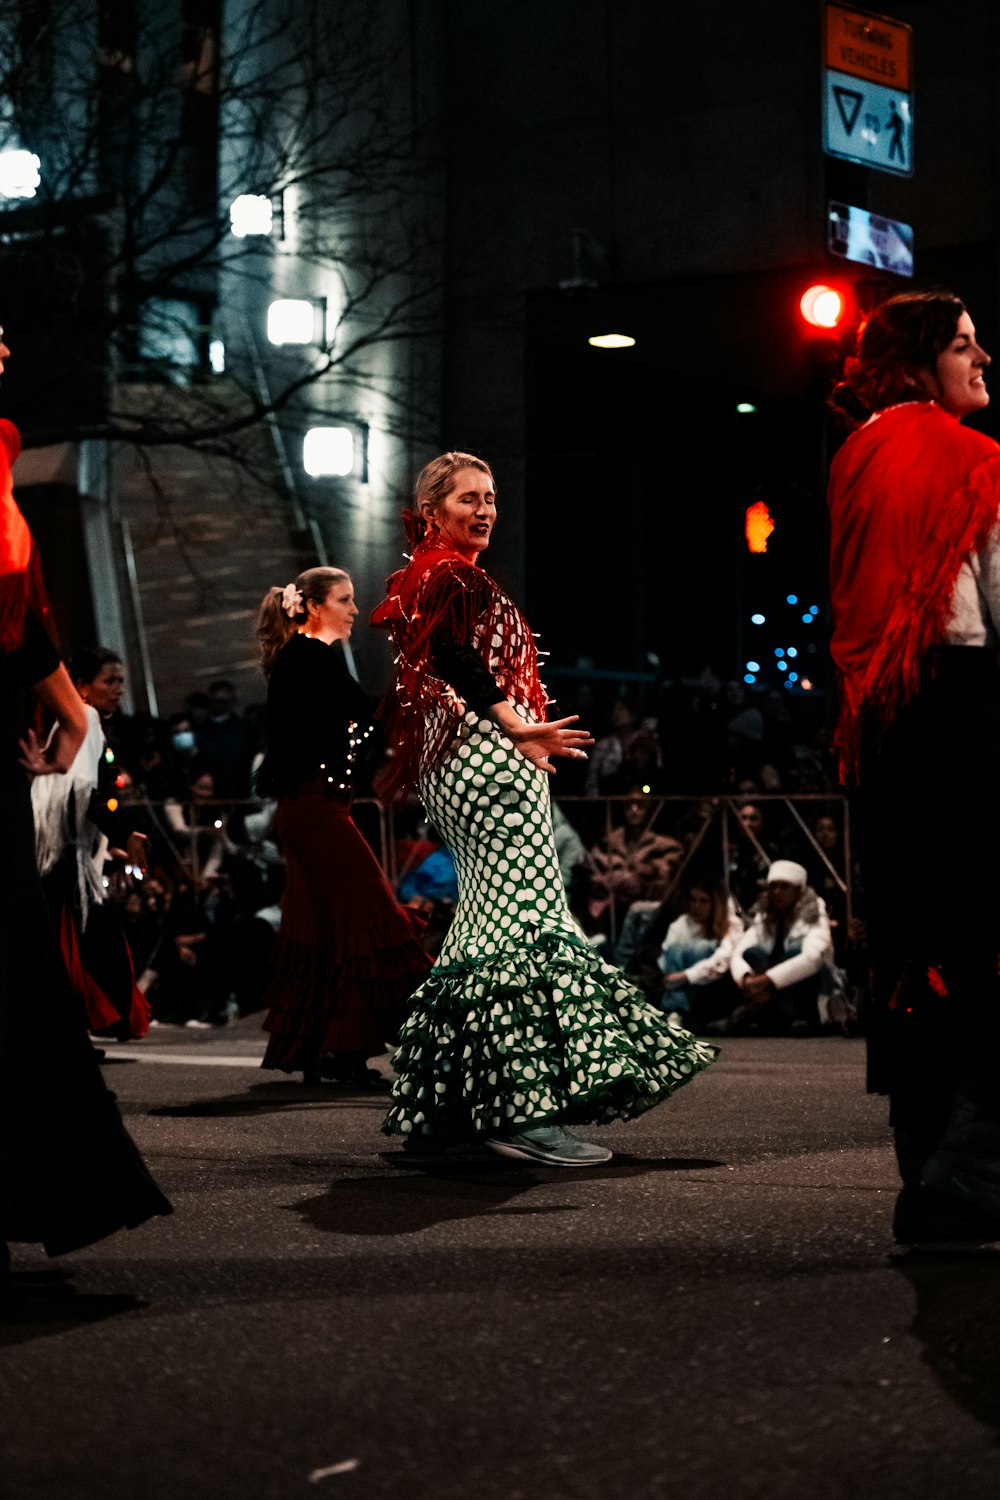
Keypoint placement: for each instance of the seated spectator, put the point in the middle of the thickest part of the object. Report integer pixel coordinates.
(606, 760)
(226, 742)
(750, 854)
(189, 969)
(434, 879)
(571, 853)
(818, 858)
(633, 862)
(199, 824)
(779, 962)
(696, 955)
(644, 923)
(183, 743)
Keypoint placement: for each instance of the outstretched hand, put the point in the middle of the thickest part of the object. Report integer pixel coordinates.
(33, 756)
(539, 743)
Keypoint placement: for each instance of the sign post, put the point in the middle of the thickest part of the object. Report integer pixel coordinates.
(868, 89)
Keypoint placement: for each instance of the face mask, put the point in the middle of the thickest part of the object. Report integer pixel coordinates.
(183, 739)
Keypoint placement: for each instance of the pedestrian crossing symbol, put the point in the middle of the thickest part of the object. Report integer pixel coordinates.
(868, 123)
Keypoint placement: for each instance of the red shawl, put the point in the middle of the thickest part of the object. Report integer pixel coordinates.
(439, 590)
(20, 567)
(911, 495)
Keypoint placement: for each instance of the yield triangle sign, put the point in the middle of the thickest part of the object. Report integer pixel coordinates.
(848, 104)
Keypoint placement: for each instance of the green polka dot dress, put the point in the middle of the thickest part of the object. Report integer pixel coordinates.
(520, 1022)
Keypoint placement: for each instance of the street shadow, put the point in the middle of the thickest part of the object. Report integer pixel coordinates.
(38, 1304)
(269, 1098)
(455, 1189)
(956, 1321)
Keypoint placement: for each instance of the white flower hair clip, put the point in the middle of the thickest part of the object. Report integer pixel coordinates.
(291, 600)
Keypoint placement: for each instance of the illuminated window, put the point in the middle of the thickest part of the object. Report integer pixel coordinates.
(292, 320)
(328, 451)
(251, 214)
(20, 176)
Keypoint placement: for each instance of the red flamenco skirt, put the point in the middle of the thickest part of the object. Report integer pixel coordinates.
(100, 969)
(346, 958)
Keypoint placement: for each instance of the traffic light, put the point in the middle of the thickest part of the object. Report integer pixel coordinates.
(823, 306)
(758, 525)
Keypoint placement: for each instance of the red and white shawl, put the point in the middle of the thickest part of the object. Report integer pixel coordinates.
(912, 494)
(439, 590)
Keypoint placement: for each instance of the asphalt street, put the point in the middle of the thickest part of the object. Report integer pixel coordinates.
(713, 1314)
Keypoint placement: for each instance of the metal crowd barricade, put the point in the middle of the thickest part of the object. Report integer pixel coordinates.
(195, 836)
(190, 834)
(718, 810)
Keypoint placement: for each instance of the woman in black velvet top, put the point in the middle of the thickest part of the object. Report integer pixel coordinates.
(346, 958)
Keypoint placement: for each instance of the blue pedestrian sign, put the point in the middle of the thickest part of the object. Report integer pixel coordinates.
(868, 123)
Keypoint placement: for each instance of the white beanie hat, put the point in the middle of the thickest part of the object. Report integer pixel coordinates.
(788, 870)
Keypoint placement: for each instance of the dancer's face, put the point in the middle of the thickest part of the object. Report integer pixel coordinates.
(334, 619)
(960, 372)
(467, 514)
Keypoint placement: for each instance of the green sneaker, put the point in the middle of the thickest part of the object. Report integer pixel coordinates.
(552, 1145)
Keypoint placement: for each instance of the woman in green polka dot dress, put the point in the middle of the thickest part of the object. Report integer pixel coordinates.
(521, 1030)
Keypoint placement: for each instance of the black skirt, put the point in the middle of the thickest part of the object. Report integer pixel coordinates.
(927, 814)
(69, 1172)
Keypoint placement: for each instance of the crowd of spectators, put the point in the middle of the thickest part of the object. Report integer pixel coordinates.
(686, 801)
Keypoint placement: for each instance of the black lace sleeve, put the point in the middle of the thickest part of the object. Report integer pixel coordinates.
(462, 667)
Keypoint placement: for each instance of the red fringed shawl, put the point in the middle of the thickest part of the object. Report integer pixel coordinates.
(912, 494)
(440, 590)
(20, 567)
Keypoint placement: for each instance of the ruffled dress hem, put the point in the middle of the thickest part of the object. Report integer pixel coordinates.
(540, 1033)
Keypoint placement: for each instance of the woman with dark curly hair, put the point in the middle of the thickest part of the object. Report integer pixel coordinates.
(915, 571)
(521, 1030)
(347, 956)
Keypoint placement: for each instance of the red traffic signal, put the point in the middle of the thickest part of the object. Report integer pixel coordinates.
(823, 306)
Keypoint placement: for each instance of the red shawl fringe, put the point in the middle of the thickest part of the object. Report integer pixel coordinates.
(918, 618)
(439, 590)
(21, 583)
